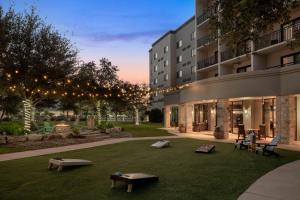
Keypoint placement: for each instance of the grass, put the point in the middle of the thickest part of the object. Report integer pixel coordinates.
(143, 130)
(183, 173)
(5, 149)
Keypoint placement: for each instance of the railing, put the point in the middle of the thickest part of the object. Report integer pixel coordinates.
(204, 40)
(226, 55)
(284, 65)
(207, 62)
(278, 36)
(207, 14)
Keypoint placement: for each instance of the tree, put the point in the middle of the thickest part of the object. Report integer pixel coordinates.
(36, 59)
(136, 97)
(156, 116)
(244, 20)
(109, 83)
(9, 105)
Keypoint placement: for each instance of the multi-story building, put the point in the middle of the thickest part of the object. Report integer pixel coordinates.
(172, 60)
(256, 86)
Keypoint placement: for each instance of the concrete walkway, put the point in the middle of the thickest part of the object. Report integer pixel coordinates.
(282, 183)
(40, 152)
(198, 136)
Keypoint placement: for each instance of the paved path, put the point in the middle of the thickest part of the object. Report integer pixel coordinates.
(204, 136)
(282, 183)
(39, 152)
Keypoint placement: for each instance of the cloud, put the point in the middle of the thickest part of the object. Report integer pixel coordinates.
(125, 37)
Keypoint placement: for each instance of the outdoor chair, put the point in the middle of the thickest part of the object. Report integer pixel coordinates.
(46, 128)
(269, 149)
(241, 132)
(245, 143)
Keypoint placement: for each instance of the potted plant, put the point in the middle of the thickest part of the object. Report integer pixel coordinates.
(220, 134)
(182, 128)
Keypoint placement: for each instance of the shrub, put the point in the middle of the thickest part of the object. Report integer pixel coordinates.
(156, 116)
(11, 128)
(105, 125)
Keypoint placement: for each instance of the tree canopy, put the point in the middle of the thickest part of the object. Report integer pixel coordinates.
(242, 20)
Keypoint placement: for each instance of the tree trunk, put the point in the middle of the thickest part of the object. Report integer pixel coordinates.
(137, 117)
(116, 116)
(27, 115)
(2, 115)
(98, 107)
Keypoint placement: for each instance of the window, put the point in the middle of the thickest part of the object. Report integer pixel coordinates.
(243, 69)
(289, 29)
(193, 52)
(290, 59)
(155, 81)
(166, 63)
(166, 49)
(179, 44)
(179, 59)
(179, 74)
(193, 35)
(155, 68)
(166, 77)
(155, 56)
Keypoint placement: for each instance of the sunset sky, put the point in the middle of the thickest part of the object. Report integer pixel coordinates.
(120, 30)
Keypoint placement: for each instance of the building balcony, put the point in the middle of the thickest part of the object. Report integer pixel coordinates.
(204, 41)
(229, 54)
(205, 16)
(278, 36)
(207, 62)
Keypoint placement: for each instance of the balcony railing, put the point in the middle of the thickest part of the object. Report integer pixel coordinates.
(278, 36)
(204, 40)
(207, 14)
(226, 55)
(207, 62)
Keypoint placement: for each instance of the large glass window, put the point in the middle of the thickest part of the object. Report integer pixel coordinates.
(290, 59)
(174, 116)
(236, 115)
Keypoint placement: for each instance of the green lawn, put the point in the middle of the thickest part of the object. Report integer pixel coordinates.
(143, 130)
(183, 174)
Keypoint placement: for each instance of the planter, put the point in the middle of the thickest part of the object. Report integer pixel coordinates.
(182, 128)
(221, 135)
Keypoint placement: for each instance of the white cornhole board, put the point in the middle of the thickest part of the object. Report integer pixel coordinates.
(60, 163)
(161, 144)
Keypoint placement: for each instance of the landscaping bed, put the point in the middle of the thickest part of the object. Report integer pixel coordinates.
(17, 143)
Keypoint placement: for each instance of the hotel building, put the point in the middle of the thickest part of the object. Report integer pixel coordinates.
(257, 85)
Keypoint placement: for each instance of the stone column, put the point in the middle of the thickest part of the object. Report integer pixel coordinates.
(181, 114)
(286, 118)
(189, 108)
(267, 111)
(167, 116)
(223, 115)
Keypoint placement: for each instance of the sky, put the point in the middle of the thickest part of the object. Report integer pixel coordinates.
(120, 30)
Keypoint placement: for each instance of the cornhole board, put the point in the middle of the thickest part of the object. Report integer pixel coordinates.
(206, 148)
(131, 179)
(59, 163)
(161, 144)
